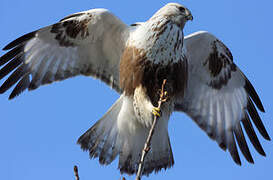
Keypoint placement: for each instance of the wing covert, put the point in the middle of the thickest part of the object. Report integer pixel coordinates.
(219, 97)
(86, 43)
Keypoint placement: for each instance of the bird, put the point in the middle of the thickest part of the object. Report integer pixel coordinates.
(202, 81)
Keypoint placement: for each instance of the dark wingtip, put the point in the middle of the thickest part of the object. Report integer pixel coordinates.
(257, 120)
(11, 54)
(223, 146)
(262, 110)
(20, 87)
(253, 94)
(19, 40)
(5, 48)
(250, 160)
(242, 143)
(252, 135)
(238, 162)
(267, 137)
(11, 97)
(263, 153)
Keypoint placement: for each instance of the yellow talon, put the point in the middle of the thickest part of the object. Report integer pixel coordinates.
(156, 111)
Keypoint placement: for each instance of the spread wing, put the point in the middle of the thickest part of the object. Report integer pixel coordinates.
(86, 43)
(219, 98)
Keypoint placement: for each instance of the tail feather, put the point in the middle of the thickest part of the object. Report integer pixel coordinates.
(159, 157)
(160, 160)
(109, 150)
(101, 139)
(118, 132)
(135, 134)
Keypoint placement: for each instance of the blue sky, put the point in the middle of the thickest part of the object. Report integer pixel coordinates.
(39, 129)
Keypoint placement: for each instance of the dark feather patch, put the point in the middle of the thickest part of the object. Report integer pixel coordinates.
(70, 29)
(13, 78)
(215, 63)
(220, 62)
(252, 135)
(242, 142)
(232, 148)
(10, 66)
(60, 35)
(11, 54)
(253, 94)
(20, 40)
(256, 119)
(20, 87)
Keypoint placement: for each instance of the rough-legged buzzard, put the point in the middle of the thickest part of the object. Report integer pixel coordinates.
(202, 81)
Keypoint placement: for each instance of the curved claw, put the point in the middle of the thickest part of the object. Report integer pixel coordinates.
(156, 111)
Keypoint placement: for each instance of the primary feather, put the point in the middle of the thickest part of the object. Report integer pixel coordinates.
(202, 81)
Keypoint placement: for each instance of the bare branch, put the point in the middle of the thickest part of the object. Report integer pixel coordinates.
(147, 146)
(76, 173)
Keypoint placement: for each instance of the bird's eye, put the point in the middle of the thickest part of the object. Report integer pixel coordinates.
(181, 9)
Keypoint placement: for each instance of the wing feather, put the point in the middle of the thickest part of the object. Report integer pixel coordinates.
(256, 119)
(11, 65)
(13, 78)
(20, 87)
(253, 94)
(252, 135)
(232, 148)
(219, 97)
(20, 40)
(242, 142)
(11, 54)
(87, 43)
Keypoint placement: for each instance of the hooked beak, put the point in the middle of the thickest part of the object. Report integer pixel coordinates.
(188, 15)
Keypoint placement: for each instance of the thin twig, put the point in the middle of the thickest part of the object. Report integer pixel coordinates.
(76, 173)
(147, 145)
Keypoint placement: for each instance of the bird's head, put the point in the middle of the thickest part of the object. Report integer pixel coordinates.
(175, 12)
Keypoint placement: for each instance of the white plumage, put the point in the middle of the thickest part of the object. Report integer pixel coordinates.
(202, 81)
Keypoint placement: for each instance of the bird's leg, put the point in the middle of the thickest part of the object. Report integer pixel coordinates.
(147, 145)
(156, 111)
(164, 97)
